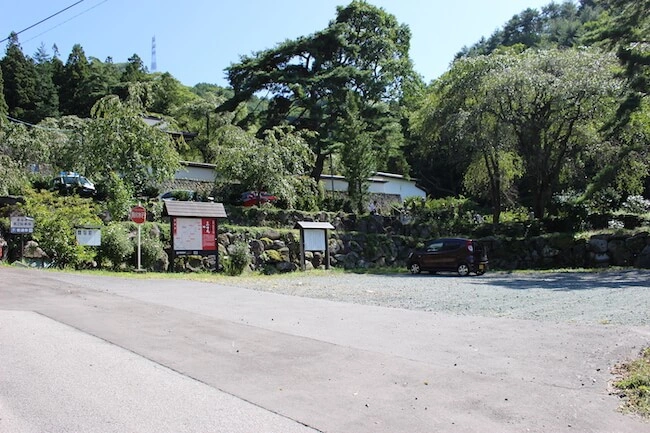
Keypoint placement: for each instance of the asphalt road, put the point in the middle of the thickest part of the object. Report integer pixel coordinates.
(83, 353)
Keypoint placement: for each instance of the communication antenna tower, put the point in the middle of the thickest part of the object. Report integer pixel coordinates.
(153, 54)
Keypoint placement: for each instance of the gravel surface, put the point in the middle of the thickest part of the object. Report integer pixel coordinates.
(621, 297)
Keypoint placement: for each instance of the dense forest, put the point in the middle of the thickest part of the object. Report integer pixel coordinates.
(551, 107)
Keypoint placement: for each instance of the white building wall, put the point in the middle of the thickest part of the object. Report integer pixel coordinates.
(338, 184)
(404, 188)
(382, 183)
(196, 173)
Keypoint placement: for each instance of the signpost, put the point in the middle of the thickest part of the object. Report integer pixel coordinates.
(138, 215)
(21, 225)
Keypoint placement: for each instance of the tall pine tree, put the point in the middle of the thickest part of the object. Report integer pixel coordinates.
(3, 103)
(73, 100)
(20, 82)
(47, 97)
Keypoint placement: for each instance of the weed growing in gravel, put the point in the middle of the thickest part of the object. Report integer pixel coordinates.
(635, 384)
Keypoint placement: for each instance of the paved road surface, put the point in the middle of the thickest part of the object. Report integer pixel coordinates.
(104, 354)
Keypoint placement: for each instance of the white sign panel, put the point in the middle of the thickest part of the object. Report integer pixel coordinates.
(89, 237)
(22, 224)
(314, 239)
(187, 234)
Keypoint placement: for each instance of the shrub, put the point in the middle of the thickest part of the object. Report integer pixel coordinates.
(605, 200)
(237, 259)
(153, 255)
(39, 181)
(118, 202)
(335, 202)
(116, 246)
(569, 204)
(636, 204)
(307, 192)
(444, 216)
(55, 219)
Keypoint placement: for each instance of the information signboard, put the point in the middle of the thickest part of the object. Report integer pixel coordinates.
(22, 224)
(314, 239)
(89, 236)
(194, 234)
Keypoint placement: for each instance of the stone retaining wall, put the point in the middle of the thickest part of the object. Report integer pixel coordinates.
(273, 251)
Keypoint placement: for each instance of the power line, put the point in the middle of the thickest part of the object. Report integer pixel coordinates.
(68, 20)
(31, 125)
(43, 20)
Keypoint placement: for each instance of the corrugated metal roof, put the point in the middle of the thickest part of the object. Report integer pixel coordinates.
(313, 225)
(194, 209)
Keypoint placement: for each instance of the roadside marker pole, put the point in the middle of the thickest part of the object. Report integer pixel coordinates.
(139, 247)
(138, 215)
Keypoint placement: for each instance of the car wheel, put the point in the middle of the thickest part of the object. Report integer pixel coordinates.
(415, 268)
(463, 270)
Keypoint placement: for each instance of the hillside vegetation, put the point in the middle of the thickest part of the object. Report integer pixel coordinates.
(547, 116)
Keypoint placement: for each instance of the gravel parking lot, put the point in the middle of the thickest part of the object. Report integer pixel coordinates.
(608, 297)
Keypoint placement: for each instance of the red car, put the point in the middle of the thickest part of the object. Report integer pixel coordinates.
(252, 198)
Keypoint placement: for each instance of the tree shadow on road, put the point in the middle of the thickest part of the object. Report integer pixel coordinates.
(559, 281)
(568, 281)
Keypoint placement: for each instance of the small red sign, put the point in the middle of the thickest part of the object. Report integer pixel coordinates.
(138, 214)
(208, 234)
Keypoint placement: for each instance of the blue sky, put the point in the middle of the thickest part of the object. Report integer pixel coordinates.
(197, 39)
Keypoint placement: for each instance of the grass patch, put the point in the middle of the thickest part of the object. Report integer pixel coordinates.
(634, 384)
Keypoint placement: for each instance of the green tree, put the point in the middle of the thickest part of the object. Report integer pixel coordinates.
(47, 97)
(458, 115)
(116, 246)
(199, 117)
(168, 94)
(358, 157)
(543, 105)
(442, 151)
(26, 146)
(549, 98)
(13, 178)
(3, 104)
(556, 25)
(135, 70)
(118, 141)
(63, 137)
(364, 50)
(119, 198)
(102, 80)
(73, 98)
(20, 81)
(266, 164)
(623, 28)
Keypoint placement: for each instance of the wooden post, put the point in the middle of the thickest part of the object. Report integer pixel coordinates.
(303, 265)
(327, 250)
(172, 252)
